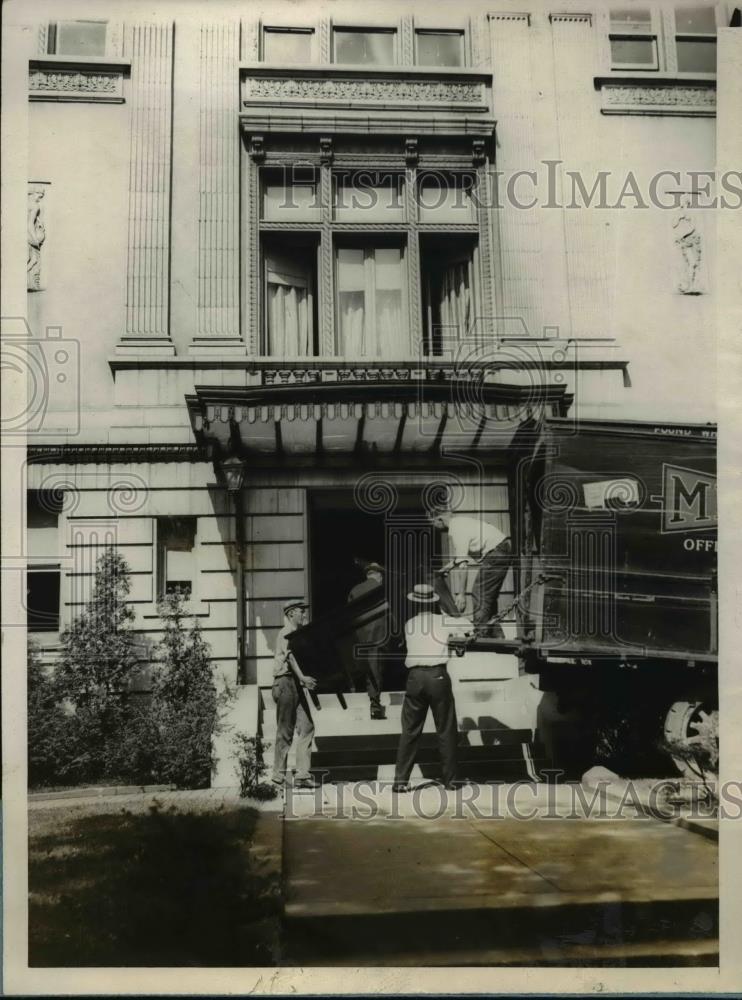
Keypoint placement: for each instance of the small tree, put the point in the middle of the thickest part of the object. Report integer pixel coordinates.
(184, 701)
(99, 658)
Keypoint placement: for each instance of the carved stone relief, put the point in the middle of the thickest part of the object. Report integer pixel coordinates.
(36, 234)
(689, 248)
(49, 84)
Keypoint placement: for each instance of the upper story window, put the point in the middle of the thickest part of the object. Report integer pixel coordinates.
(695, 39)
(681, 39)
(288, 45)
(633, 35)
(439, 48)
(77, 38)
(444, 197)
(364, 46)
(365, 196)
(292, 198)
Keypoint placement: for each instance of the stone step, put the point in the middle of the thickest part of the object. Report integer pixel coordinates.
(425, 755)
(470, 716)
(470, 738)
(519, 769)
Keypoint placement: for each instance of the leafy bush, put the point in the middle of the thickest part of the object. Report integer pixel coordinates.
(99, 658)
(251, 768)
(52, 746)
(184, 700)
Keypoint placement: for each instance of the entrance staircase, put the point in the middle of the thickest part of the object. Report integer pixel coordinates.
(496, 711)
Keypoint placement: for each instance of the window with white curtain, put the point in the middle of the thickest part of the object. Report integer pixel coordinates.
(289, 305)
(371, 318)
(449, 293)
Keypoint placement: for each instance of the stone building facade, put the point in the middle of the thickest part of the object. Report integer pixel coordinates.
(290, 270)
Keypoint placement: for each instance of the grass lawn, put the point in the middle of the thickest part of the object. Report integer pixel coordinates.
(148, 884)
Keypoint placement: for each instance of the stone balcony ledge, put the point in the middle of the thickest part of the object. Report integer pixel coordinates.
(506, 354)
(90, 79)
(367, 99)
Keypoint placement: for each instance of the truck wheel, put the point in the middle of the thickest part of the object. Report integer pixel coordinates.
(692, 731)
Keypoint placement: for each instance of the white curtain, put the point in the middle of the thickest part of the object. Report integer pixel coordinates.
(455, 298)
(369, 283)
(289, 306)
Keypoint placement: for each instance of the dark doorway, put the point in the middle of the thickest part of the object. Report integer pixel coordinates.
(344, 538)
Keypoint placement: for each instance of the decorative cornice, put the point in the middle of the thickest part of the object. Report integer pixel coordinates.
(364, 121)
(79, 454)
(52, 79)
(410, 100)
(567, 17)
(657, 97)
(496, 15)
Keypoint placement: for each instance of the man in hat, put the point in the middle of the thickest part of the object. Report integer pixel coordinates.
(292, 710)
(371, 636)
(475, 542)
(428, 686)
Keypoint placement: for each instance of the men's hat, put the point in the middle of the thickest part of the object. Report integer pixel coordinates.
(421, 593)
(374, 568)
(290, 605)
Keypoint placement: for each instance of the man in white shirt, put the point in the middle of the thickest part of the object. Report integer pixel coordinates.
(428, 686)
(475, 542)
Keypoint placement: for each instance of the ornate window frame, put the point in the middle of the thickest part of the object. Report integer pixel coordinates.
(76, 78)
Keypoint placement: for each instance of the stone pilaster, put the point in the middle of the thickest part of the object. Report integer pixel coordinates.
(218, 297)
(521, 266)
(150, 47)
(586, 233)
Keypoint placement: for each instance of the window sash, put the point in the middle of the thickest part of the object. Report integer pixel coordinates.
(386, 58)
(644, 30)
(371, 301)
(289, 305)
(430, 33)
(61, 33)
(297, 34)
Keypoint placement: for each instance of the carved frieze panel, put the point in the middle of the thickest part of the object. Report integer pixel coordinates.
(642, 99)
(332, 91)
(83, 82)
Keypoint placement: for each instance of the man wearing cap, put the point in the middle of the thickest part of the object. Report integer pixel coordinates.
(292, 710)
(371, 636)
(475, 542)
(428, 686)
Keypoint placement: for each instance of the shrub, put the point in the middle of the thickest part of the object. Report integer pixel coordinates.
(184, 700)
(51, 743)
(251, 768)
(99, 658)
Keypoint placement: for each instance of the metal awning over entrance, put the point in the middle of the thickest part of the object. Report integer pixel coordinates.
(372, 420)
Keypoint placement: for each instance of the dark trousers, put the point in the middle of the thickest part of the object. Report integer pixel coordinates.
(292, 713)
(427, 687)
(374, 666)
(487, 587)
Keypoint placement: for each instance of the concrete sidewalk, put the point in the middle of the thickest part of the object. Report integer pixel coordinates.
(450, 891)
